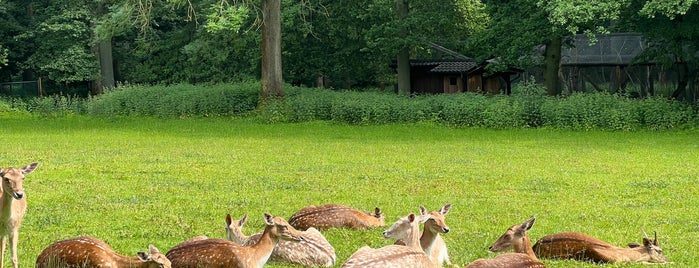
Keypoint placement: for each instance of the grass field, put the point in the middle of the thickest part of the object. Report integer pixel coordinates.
(134, 182)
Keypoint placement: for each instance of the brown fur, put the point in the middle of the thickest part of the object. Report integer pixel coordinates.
(335, 216)
(314, 250)
(411, 255)
(579, 246)
(515, 238)
(223, 253)
(90, 252)
(13, 205)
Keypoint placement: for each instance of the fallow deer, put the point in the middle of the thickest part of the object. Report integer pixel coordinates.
(335, 216)
(223, 253)
(314, 250)
(516, 238)
(90, 252)
(410, 255)
(579, 246)
(13, 205)
(430, 240)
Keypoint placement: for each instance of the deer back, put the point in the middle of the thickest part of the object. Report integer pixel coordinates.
(509, 260)
(314, 250)
(335, 216)
(86, 252)
(579, 246)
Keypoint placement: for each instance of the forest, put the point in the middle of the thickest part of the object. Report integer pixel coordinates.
(81, 47)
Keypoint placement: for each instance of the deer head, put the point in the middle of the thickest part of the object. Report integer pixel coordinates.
(154, 258)
(514, 237)
(651, 248)
(434, 221)
(280, 229)
(13, 179)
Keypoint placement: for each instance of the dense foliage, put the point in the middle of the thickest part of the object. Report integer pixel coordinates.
(526, 108)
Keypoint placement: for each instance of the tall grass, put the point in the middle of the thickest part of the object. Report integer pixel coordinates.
(134, 181)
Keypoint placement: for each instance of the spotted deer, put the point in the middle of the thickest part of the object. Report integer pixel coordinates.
(515, 238)
(314, 250)
(13, 205)
(579, 246)
(335, 216)
(408, 255)
(430, 240)
(90, 252)
(215, 252)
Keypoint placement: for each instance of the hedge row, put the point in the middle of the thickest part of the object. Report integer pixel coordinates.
(526, 108)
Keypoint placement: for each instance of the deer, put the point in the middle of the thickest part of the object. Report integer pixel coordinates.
(90, 252)
(579, 246)
(215, 252)
(430, 240)
(336, 216)
(13, 206)
(515, 238)
(314, 250)
(409, 255)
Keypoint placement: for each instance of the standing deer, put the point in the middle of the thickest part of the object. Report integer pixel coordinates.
(579, 246)
(13, 205)
(430, 240)
(90, 252)
(516, 238)
(227, 254)
(410, 255)
(335, 216)
(314, 250)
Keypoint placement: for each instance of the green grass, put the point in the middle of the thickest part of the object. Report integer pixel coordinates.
(139, 181)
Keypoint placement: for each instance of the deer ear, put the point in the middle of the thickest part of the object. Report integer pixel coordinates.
(29, 168)
(228, 220)
(269, 219)
(423, 211)
(411, 217)
(647, 242)
(528, 224)
(377, 212)
(153, 249)
(445, 209)
(243, 220)
(634, 245)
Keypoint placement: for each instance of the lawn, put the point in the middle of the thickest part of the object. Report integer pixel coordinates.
(139, 181)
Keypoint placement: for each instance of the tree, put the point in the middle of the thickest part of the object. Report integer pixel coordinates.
(272, 82)
(518, 27)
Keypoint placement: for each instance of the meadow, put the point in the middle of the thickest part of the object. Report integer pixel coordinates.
(134, 181)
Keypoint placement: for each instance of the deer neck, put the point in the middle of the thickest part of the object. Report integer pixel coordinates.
(525, 247)
(238, 236)
(629, 254)
(413, 237)
(264, 247)
(135, 262)
(427, 239)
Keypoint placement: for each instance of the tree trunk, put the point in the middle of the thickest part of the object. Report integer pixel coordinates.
(272, 82)
(106, 66)
(403, 60)
(552, 62)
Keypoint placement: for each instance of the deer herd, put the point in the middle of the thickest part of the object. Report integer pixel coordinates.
(299, 241)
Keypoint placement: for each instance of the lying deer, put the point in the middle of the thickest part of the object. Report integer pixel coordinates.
(515, 238)
(430, 240)
(90, 252)
(224, 253)
(579, 246)
(410, 255)
(314, 250)
(13, 205)
(335, 216)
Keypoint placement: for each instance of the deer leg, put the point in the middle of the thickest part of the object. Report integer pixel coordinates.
(14, 235)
